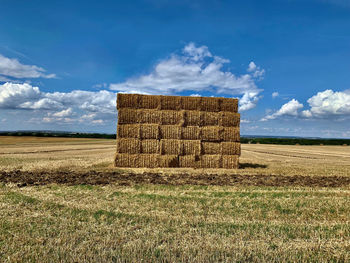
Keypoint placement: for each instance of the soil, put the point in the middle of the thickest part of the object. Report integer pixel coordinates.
(26, 178)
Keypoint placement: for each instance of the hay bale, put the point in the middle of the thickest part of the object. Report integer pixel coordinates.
(147, 160)
(170, 132)
(171, 117)
(149, 116)
(171, 146)
(191, 147)
(229, 119)
(190, 103)
(230, 161)
(211, 133)
(190, 161)
(211, 148)
(210, 104)
(128, 145)
(228, 104)
(128, 131)
(210, 118)
(149, 131)
(192, 118)
(190, 133)
(170, 102)
(127, 116)
(127, 101)
(126, 160)
(230, 134)
(150, 146)
(149, 102)
(210, 161)
(168, 161)
(230, 148)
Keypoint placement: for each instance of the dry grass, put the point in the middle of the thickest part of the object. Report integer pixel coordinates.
(164, 223)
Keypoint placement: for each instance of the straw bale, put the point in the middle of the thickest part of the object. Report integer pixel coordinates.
(229, 119)
(149, 102)
(171, 146)
(210, 104)
(168, 161)
(149, 116)
(127, 116)
(211, 133)
(191, 147)
(190, 103)
(128, 131)
(126, 160)
(170, 102)
(127, 100)
(230, 134)
(210, 118)
(231, 148)
(230, 161)
(210, 161)
(211, 148)
(171, 117)
(192, 118)
(227, 104)
(150, 146)
(128, 145)
(190, 133)
(170, 132)
(147, 160)
(188, 161)
(149, 131)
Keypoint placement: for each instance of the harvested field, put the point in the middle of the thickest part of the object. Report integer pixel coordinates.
(61, 200)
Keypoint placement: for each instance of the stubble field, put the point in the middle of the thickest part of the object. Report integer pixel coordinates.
(285, 203)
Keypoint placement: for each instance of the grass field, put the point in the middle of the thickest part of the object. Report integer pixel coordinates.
(285, 204)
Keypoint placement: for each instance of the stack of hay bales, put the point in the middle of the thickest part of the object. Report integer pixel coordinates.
(174, 131)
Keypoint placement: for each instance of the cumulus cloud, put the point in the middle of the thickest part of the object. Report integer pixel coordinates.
(289, 109)
(275, 94)
(196, 70)
(10, 67)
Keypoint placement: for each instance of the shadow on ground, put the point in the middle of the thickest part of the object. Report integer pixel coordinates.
(251, 165)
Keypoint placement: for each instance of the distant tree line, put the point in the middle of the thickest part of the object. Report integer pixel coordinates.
(60, 134)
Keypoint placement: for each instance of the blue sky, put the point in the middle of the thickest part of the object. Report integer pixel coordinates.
(62, 62)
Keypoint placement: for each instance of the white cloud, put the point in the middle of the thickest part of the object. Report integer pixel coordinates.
(289, 109)
(10, 67)
(196, 70)
(63, 113)
(251, 67)
(12, 95)
(275, 94)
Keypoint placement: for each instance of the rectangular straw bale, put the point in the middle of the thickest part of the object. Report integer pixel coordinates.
(171, 146)
(128, 145)
(190, 103)
(231, 148)
(149, 102)
(190, 161)
(126, 160)
(230, 161)
(192, 118)
(210, 118)
(168, 161)
(170, 102)
(211, 148)
(171, 117)
(211, 133)
(210, 104)
(191, 147)
(228, 104)
(230, 134)
(149, 131)
(210, 161)
(149, 116)
(128, 131)
(170, 132)
(229, 119)
(127, 116)
(150, 146)
(190, 133)
(147, 160)
(127, 101)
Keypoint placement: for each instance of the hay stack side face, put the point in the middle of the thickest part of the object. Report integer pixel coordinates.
(173, 131)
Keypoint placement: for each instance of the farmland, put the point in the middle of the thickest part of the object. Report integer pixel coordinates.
(285, 203)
